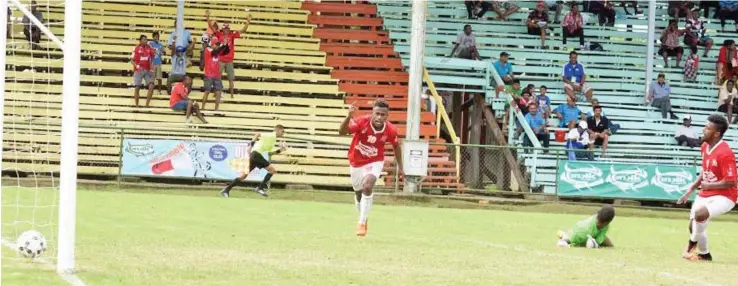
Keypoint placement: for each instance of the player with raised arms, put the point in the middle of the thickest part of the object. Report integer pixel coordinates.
(717, 185)
(263, 143)
(366, 154)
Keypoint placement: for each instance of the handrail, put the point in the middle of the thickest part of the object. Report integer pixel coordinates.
(441, 115)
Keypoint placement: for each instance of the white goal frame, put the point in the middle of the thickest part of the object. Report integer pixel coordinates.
(70, 120)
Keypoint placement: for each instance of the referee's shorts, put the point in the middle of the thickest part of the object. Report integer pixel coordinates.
(256, 160)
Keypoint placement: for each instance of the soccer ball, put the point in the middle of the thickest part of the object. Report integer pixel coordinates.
(31, 244)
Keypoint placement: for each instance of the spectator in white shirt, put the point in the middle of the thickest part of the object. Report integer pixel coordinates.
(687, 135)
(465, 46)
(578, 139)
(726, 99)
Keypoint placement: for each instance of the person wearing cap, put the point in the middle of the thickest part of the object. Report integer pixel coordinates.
(228, 37)
(504, 70)
(658, 96)
(189, 47)
(179, 65)
(568, 113)
(538, 22)
(142, 60)
(686, 134)
(578, 139)
(727, 96)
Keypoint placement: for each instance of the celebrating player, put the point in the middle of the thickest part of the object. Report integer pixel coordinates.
(366, 154)
(590, 232)
(264, 144)
(718, 187)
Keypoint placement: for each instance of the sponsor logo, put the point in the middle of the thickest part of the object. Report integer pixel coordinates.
(218, 153)
(676, 181)
(582, 178)
(628, 179)
(140, 150)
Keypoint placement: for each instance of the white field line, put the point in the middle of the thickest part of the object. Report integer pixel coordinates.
(72, 279)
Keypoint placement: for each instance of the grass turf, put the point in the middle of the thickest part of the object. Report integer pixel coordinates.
(303, 238)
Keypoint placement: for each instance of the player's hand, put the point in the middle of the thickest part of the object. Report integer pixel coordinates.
(683, 199)
(352, 109)
(400, 173)
(207, 12)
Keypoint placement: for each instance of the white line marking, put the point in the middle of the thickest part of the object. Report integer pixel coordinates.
(71, 278)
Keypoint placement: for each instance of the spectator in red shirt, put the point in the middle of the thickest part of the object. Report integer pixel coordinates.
(142, 60)
(727, 63)
(212, 55)
(179, 100)
(538, 22)
(226, 36)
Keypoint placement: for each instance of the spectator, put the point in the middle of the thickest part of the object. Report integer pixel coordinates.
(670, 45)
(505, 71)
(213, 73)
(727, 96)
(465, 46)
(575, 78)
(658, 95)
(633, 3)
(532, 89)
(573, 26)
(544, 102)
(695, 33)
(578, 139)
(691, 64)
(189, 46)
(678, 9)
(568, 114)
(538, 23)
(538, 125)
(142, 60)
(556, 6)
(209, 33)
(508, 6)
(158, 52)
(179, 100)
(228, 37)
(612, 126)
(179, 65)
(599, 131)
(525, 100)
(705, 7)
(728, 11)
(476, 9)
(604, 11)
(686, 134)
(30, 30)
(727, 63)
(9, 31)
(515, 91)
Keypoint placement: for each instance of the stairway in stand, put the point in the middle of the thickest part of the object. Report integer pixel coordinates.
(367, 68)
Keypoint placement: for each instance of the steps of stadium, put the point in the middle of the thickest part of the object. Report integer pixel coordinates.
(367, 68)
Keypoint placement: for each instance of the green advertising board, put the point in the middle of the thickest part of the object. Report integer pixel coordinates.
(623, 181)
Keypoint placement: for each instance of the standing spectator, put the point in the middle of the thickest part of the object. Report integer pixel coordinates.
(691, 64)
(179, 65)
(573, 26)
(728, 11)
(158, 52)
(575, 78)
(465, 46)
(209, 34)
(508, 6)
(727, 63)
(695, 33)
(578, 139)
(505, 71)
(190, 43)
(556, 6)
(599, 129)
(544, 103)
(228, 37)
(568, 114)
(476, 9)
(705, 7)
(538, 23)
(633, 3)
(727, 96)
(30, 30)
(686, 134)
(142, 60)
(179, 100)
(604, 11)
(670, 45)
(658, 95)
(213, 74)
(538, 125)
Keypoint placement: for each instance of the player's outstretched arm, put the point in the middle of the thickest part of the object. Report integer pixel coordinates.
(398, 157)
(344, 128)
(692, 188)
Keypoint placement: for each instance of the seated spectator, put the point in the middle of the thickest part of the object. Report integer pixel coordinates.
(633, 3)
(727, 63)
(505, 71)
(691, 65)
(727, 96)
(612, 126)
(476, 9)
(504, 8)
(30, 30)
(525, 100)
(679, 9)
(599, 131)
(687, 135)
(179, 100)
(532, 89)
(465, 46)
(515, 91)
(213, 73)
(670, 45)
(575, 78)
(605, 12)
(556, 6)
(179, 65)
(538, 23)
(573, 26)
(728, 11)
(658, 96)
(538, 125)
(578, 139)
(142, 60)
(695, 33)
(158, 52)
(568, 114)
(544, 102)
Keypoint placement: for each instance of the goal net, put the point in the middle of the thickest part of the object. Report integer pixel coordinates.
(40, 93)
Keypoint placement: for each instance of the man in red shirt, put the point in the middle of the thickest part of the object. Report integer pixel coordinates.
(180, 101)
(226, 36)
(213, 83)
(717, 183)
(366, 154)
(142, 60)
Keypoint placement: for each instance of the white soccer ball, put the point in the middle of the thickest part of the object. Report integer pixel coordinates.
(31, 244)
(562, 243)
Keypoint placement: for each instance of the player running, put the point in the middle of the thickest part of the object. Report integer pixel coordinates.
(262, 144)
(718, 187)
(590, 232)
(366, 154)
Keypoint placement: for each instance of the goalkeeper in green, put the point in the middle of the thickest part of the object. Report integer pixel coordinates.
(590, 232)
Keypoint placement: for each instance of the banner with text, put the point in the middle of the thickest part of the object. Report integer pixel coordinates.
(623, 181)
(188, 159)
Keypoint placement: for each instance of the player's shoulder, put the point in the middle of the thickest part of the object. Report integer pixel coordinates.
(391, 127)
(725, 149)
(361, 120)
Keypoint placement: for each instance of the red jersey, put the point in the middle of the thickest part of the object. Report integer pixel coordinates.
(368, 144)
(179, 92)
(212, 64)
(231, 44)
(718, 164)
(142, 57)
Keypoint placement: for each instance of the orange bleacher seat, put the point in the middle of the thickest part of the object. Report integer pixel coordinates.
(364, 76)
(374, 89)
(351, 35)
(359, 62)
(425, 117)
(357, 49)
(322, 21)
(340, 8)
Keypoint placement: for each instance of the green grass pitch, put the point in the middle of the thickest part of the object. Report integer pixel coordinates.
(198, 238)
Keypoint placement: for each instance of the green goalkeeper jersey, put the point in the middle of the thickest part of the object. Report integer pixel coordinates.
(265, 144)
(587, 227)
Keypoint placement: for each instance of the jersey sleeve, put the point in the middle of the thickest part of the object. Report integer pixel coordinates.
(727, 165)
(355, 124)
(393, 138)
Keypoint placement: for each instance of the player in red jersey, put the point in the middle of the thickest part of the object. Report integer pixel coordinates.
(366, 154)
(717, 185)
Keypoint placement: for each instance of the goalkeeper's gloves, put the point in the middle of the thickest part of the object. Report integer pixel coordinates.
(591, 242)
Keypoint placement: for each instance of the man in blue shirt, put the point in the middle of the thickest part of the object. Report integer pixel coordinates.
(538, 125)
(158, 52)
(504, 70)
(189, 43)
(568, 114)
(575, 78)
(658, 96)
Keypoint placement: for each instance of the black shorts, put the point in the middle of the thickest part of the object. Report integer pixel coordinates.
(599, 141)
(534, 30)
(724, 108)
(256, 160)
(671, 52)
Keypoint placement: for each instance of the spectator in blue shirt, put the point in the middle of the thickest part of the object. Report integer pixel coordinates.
(569, 114)
(574, 78)
(658, 96)
(538, 125)
(505, 71)
(544, 102)
(158, 52)
(189, 47)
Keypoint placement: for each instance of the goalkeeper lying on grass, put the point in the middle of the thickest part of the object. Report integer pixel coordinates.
(590, 232)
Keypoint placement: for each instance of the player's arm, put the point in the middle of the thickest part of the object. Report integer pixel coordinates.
(398, 156)
(282, 148)
(345, 129)
(256, 138)
(727, 166)
(692, 188)
(607, 243)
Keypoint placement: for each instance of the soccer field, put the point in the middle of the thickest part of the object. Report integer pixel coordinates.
(198, 238)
